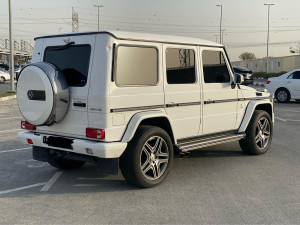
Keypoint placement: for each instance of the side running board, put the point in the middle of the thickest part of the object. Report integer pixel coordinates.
(206, 141)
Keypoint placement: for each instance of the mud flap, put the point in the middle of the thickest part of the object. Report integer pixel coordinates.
(108, 166)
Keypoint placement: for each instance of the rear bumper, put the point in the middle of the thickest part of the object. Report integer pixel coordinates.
(80, 146)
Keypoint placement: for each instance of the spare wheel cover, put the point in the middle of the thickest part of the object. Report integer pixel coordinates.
(42, 94)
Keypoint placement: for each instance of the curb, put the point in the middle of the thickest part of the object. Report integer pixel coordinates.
(7, 98)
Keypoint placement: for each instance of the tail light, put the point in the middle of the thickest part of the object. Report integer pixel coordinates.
(268, 82)
(95, 133)
(29, 141)
(27, 126)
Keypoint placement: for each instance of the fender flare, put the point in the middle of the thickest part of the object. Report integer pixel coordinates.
(137, 118)
(250, 110)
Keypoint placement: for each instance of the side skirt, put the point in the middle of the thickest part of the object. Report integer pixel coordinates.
(190, 144)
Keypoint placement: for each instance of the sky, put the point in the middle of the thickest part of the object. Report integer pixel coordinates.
(244, 22)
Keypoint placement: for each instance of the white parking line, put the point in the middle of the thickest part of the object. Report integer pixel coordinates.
(22, 188)
(10, 118)
(280, 119)
(3, 131)
(14, 150)
(283, 110)
(50, 182)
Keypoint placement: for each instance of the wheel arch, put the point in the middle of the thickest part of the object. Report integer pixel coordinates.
(264, 105)
(155, 118)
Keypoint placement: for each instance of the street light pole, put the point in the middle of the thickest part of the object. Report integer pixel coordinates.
(216, 35)
(221, 41)
(268, 35)
(11, 51)
(98, 6)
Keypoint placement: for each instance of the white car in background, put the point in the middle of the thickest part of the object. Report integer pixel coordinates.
(4, 76)
(285, 87)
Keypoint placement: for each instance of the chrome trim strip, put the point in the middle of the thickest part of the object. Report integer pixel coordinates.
(137, 108)
(235, 100)
(155, 107)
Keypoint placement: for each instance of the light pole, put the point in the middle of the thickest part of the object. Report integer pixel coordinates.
(221, 23)
(268, 35)
(216, 35)
(11, 51)
(98, 6)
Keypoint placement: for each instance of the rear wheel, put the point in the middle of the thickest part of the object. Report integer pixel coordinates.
(148, 157)
(2, 80)
(282, 95)
(258, 134)
(56, 160)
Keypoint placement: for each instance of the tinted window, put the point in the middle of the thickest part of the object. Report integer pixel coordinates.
(136, 66)
(180, 64)
(73, 61)
(296, 75)
(214, 67)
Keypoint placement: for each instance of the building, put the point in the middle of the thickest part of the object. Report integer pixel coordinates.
(276, 64)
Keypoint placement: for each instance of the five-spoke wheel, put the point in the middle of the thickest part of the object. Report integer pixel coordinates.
(258, 134)
(148, 157)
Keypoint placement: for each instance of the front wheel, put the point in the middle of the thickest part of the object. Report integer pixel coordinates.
(258, 134)
(148, 157)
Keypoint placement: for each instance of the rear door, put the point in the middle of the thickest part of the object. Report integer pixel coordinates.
(293, 84)
(73, 55)
(182, 89)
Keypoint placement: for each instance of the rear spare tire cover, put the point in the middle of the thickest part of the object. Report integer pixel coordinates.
(42, 94)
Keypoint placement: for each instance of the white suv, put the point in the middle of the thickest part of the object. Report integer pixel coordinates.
(129, 100)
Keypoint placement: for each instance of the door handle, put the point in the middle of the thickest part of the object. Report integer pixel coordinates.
(289, 82)
(172, 104)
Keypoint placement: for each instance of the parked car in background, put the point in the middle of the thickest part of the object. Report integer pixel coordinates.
(4, 76)
(247, 74)
(285, 87)
(4, 67)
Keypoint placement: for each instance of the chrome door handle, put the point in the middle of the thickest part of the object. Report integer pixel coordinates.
(289, 82)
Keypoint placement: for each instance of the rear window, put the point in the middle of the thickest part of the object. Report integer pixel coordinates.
(72, 60)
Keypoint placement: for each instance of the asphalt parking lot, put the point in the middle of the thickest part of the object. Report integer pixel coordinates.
(216, 185)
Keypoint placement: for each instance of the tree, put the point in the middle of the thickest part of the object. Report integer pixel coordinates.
(247, 56)
(295, 49)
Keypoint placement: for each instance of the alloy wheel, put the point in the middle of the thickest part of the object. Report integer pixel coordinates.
(262, 134)
(154, 157)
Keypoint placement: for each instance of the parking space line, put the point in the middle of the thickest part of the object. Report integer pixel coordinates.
(10, 118)
(3, 131)
(50, 182)
(280, 119)
(22, 188)
(14, 150)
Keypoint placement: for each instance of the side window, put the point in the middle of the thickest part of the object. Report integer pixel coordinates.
(136, 66)
(180, 65)
(214, 67)
(296, 75)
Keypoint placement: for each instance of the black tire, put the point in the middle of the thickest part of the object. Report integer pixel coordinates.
(254, 142)
(297, 100)
(2, 80)
(283, 95)
(56, 160)
(131, 160)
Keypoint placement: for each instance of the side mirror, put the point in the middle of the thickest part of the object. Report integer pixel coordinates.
(239, 79)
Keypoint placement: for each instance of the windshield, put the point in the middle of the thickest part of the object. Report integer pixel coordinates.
(72, 60)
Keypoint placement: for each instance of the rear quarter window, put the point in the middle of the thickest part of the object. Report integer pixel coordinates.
(72, 60)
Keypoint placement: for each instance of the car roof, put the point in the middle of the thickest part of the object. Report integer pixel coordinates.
(149, 37)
